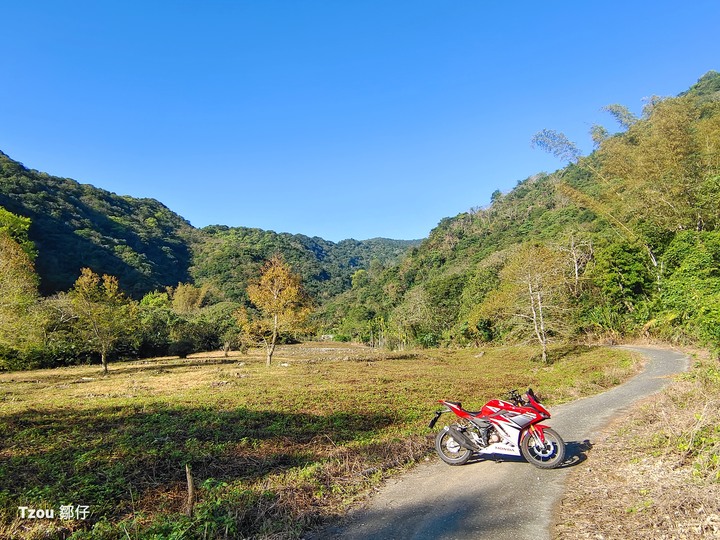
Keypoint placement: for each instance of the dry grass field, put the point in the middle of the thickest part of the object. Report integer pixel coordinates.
(272, 451)
(654, 473)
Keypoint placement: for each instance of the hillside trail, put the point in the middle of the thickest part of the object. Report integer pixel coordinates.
(493, 499)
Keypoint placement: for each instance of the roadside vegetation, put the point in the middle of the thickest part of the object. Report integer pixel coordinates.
(271, 452)
(654, 473)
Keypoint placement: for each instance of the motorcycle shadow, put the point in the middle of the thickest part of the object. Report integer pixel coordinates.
(575, 453)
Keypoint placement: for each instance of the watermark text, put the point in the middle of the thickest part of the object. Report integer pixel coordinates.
(65, 512)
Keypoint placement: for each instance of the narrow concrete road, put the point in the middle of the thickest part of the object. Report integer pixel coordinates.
(490, 499)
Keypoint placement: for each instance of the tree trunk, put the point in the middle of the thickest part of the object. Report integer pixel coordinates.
(538, 321)
(271, 346)
(103, 359)
(542, 329)
(576, 264)
(190, 505)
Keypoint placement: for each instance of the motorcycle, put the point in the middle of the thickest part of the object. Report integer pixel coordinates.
(508, 427)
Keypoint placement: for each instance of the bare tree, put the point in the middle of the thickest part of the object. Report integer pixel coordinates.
(532, 294)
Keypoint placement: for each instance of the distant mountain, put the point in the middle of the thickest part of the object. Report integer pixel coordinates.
(228, 257)
(149, 247)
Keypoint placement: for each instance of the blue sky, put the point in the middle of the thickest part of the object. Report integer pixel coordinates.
(339, 119)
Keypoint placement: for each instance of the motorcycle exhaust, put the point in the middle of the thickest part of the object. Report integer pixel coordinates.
(461, 439)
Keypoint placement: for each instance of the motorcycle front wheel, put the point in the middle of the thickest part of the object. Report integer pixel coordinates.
(547, 455)
(449, 450)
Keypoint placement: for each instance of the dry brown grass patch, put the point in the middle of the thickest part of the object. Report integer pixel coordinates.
(654, 473)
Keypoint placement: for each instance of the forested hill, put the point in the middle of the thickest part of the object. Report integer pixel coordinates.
(228, 257)
(623, 241)
(77, 225)
(149, 247)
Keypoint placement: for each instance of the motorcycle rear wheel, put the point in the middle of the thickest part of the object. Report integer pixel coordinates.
(546, 455)
(449, 450)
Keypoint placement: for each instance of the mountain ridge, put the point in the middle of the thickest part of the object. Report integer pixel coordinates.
(149, 246)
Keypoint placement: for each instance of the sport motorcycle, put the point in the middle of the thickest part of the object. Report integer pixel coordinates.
(508, 426)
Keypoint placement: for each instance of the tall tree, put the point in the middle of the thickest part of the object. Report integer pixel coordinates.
(18, 294)
(104, 314)
(281, 302)
(532, 294)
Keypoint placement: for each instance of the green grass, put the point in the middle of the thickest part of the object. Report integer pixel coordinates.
(273, 451)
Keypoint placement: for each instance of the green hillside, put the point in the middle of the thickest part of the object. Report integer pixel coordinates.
(76, 225)
(621, 242)
(228, 258)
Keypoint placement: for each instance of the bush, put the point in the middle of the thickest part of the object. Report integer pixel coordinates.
(10, 359)
(429, 340)
(181, 348)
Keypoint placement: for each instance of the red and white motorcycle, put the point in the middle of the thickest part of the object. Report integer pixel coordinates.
(508, 427)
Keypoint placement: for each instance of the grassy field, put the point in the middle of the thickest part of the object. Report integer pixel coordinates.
(272, 452)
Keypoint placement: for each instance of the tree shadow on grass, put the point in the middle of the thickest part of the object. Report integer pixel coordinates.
(562, 351)
(117, 368)
(112, 457)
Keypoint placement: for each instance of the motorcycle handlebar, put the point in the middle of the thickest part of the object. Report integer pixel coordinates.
(517, 399)
(514, 397)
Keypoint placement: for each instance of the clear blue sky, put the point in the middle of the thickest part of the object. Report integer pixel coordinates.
(341, 119)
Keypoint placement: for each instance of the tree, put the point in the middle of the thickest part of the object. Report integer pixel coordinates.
(220, 325)
(281, 302)
(104, 314)
(598, 134)
(622, 278)
(557, 144)
(17, 227)
(622, 115)
(413, 317)
(18, 294)
(579, 252)
(156, 321)
(187, 298)
(532, 292)
(690, 300)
